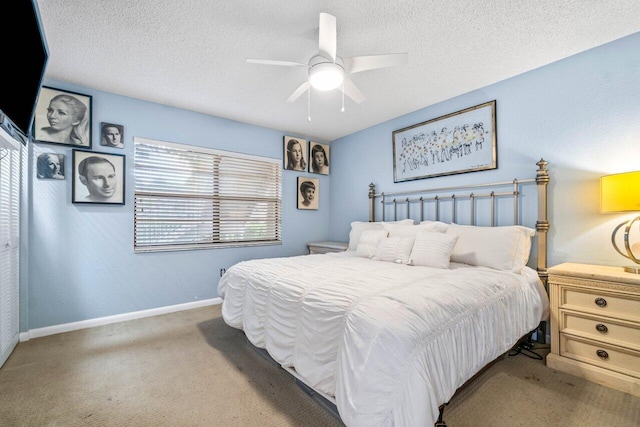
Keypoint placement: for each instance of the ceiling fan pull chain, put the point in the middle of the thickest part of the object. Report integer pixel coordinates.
(309, 104)
(342, 97)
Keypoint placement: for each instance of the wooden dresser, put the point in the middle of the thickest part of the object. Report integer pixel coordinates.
(324, 247)
(595, 324)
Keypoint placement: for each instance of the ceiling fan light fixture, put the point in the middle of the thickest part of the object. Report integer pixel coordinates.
(326, 76)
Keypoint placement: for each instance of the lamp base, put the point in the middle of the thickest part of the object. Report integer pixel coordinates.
(635, 270)
(629, 248)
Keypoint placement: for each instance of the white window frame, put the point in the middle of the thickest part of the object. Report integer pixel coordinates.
(239, 207)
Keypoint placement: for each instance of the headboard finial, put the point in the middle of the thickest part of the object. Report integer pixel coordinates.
(542, 174)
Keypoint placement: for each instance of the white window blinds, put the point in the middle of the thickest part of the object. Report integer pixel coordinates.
(192, 197)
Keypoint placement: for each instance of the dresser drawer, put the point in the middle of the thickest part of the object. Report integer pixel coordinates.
(624, 361)
(607, 330)
(600, 303)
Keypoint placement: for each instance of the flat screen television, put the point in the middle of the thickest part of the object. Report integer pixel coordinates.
(24, 58)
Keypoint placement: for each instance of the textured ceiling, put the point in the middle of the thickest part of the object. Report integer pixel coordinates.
(191, 53)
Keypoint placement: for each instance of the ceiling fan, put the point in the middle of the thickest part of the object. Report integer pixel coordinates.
(328, 71)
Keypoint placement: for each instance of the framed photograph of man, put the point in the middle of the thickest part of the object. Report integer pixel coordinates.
(111, 135)
(318, 158)
(308, 192)
(98, 178)
(50, 166)
(63, 117)
(295, 151)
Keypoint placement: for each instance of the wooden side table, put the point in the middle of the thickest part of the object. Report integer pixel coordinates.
(595, 324)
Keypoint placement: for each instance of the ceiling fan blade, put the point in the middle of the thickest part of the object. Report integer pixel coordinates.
(301, 89)
(327, 43)
(352, 91)
(355, 64)
(274, 62)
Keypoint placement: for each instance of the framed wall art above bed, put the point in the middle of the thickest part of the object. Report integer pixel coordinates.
(460, 142)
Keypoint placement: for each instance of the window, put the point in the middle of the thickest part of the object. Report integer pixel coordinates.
(194, 198)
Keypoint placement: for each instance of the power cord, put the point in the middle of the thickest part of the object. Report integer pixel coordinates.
(526, 349)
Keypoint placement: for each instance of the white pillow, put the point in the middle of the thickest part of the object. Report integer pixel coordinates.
(432, 249)
(394, 249)
(410, 230)
(368, 243)
(401, 230)
(434, 226)
(502, 248)
(400, 221)
(357, 227)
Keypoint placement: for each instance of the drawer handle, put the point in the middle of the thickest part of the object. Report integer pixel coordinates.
(602, 328)
(601, 302)
(602, 354)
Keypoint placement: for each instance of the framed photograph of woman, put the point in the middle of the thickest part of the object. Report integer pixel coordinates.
(50, 166)
(98, 178)
(63, 117)
(111, 135)
(318, 158)
(295, 150)
(308, 192)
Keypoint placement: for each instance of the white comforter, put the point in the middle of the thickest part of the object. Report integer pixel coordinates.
(391, 342)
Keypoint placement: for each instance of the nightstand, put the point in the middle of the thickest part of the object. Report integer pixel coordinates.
(595, 324)
(325, 247)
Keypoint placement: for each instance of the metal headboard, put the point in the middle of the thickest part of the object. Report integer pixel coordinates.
(455, 194)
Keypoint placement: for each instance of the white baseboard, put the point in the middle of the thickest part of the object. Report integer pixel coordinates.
(90, 323)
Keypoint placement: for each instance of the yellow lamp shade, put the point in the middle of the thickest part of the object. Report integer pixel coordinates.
(620, 192)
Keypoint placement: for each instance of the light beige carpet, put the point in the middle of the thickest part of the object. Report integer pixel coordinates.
(191, 369)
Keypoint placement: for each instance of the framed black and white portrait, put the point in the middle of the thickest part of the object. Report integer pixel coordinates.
(98, 178)
(63, 117)
(50, 166)
(318, 158)
(111, 135)
(295, 151)
(308, 192)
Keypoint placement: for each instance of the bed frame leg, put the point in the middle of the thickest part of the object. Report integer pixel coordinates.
(440, 422)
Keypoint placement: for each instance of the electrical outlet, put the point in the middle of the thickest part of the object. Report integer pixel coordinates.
(222, 271)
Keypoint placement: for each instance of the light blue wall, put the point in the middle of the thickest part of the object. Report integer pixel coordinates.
(581, 114)
(81, 260)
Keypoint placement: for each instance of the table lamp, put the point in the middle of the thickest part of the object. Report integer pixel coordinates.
(621, 193)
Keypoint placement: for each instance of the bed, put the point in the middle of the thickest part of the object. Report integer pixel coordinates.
(390, 329)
